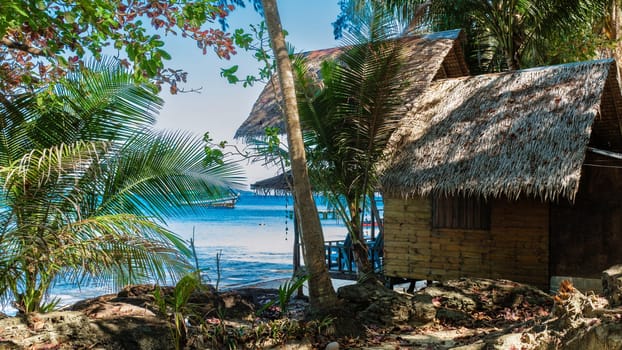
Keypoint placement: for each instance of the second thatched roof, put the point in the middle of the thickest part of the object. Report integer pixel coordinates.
(430, 56)
(507, 134)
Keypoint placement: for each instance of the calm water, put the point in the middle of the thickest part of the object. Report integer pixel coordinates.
(255, 240)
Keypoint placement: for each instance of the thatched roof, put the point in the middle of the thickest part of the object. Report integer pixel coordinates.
(507, 134)
(431, 56)
(279, 184)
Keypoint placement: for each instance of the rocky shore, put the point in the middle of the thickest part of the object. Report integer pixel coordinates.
(460, 314)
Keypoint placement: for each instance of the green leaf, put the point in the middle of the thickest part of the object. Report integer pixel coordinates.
(69, 17)
(229, 74)
(131, 52)
(165, 55)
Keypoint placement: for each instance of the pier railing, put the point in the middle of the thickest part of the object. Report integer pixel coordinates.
(340, 258)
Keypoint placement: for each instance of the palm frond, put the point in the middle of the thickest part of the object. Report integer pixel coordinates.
(99, 102)
(157, 173)
(350, 116)
(122, 249)
(14, 130)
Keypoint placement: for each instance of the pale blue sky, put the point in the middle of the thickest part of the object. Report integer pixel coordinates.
(220, 108)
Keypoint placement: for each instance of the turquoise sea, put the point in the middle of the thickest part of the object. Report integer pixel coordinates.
(254, 239)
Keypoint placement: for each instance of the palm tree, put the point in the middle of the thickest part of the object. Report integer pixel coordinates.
(348, 120)
(321, 293)
(505, 34)
(87, 185)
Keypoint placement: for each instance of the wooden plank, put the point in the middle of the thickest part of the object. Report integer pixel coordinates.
(397, 250)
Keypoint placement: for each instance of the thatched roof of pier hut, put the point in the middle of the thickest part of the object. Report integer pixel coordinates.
(430, 56)
(279, 184)
(516, 133)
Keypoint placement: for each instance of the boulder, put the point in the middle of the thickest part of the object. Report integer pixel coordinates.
(612, 285)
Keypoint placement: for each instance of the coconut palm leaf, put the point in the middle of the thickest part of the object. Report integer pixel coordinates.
(100, 102)
(157, 173)
(121, 248)
(356, 111)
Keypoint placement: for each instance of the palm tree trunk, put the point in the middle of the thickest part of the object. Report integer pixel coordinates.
(321, 293)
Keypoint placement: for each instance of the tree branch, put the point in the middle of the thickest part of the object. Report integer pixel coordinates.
(19, 46)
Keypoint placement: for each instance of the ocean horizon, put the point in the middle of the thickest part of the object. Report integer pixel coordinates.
(254, 242)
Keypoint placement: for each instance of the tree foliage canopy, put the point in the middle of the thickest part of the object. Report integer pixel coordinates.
(502, 34)
(41, 40)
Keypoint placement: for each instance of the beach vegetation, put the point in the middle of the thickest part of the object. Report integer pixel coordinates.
(285, 292)
(87, 185)
(272, 52)
(178, 306)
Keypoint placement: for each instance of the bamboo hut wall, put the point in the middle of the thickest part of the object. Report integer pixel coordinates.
(406, 236)
(586, 235)
(515, 247)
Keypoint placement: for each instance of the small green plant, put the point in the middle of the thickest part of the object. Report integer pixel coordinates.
(286, 290)
(177, 303)
(184, 288)
(326, 325)
(32, 301)
(160, 300)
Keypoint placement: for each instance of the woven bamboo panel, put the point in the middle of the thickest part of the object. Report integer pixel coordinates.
(515, 247)
(407, 241)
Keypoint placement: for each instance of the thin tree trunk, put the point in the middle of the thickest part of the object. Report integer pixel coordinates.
(359, 247)
(321, 293)
(616, 24)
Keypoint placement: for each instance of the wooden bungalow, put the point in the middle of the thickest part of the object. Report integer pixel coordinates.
(430, 57)
(514, 175)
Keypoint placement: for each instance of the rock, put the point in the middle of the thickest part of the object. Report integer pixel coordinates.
(612, 285)
(478, 345)
(379, 305)
(451, 297)
(52, 329)
(606, 335)
(332, 346)
(451, 316)
(137, 290)
(74, 330)
(424, 310)
(360, 294)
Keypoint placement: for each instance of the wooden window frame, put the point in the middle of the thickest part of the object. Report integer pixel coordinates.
(460, 212)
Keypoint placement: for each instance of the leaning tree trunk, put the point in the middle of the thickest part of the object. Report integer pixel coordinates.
(321, 293)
